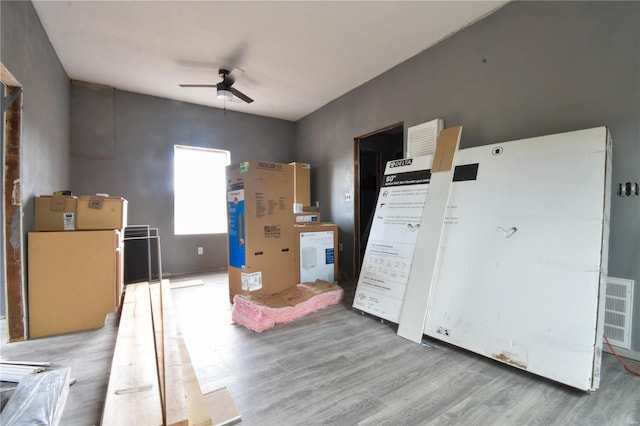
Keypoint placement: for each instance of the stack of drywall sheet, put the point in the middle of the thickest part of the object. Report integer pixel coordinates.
(514, 265)
(523, 258)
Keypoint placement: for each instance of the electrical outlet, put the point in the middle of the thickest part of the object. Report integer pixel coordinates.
(200, 250)
(340, 246)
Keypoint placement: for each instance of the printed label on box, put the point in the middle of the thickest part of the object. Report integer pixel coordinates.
(297, 207)
(96, 202)
(244, 167)
(307, 218)
(251, 282)
(58, 203)
(235, 209)
(69, 221)
(272, 231)
(329, 256)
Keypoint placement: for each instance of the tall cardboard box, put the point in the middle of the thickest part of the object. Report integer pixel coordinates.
(74, 280)
(55, 213)
(97, 212)
(260, 217)
(301, 184)
(316, 249)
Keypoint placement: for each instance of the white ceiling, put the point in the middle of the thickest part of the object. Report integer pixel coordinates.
(296, 55)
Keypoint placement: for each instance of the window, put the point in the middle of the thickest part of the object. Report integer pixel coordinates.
(199, 190)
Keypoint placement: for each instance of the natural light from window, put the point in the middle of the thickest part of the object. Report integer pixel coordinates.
(199, 190)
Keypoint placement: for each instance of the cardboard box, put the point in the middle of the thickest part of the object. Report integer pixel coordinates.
(316, 252)
(260, 237)
(301, 183)
(97, 212)
(74, 280)
(302, 218)
(55, 213)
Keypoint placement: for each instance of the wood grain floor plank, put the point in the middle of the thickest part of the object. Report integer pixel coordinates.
(341, 368)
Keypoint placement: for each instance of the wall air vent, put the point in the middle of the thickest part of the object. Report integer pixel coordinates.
(421, 139)
(618, 312)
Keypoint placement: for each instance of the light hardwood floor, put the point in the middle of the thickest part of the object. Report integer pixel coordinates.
(338, 367)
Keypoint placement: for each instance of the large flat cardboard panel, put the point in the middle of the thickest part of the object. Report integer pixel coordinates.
(316, 252)
(524, 255)
(72, 280)
(394, 231)
(55, 213)
(427, 252)
(95, 213)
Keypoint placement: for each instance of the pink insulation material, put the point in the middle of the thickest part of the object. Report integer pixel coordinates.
(260, 312)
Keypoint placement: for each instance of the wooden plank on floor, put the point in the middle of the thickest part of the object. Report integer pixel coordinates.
(183, 284)
(196, 406)
(133, 394)
(156, 314)
(221, 407)
(175, 403)
(426, 253)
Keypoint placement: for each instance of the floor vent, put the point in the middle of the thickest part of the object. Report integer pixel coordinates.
(617, 313)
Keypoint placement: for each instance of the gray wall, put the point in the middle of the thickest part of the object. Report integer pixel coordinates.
(122, 144)
(27, 53)
(550, 67)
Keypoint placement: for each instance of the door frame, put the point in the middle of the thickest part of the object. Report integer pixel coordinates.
(13, 246)
(356, 193)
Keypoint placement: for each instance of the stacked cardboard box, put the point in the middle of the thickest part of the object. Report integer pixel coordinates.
(316, 249)
(75, 262)
(301, 185)
(260, 217)
(70, 213)
(56, 213)
(265, 204)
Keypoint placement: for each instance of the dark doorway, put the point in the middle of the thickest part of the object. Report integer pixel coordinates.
(371, 156)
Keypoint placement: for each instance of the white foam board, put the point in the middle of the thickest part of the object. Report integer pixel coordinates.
(524, 255)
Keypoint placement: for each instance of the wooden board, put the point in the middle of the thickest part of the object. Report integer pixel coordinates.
(156, 314)
(196, 406)
(221, 407)
(175, 403)
(424, 266)
(133, 394)
(13, 250)
(190, 283)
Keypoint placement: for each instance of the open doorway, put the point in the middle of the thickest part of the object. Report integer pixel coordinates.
(372, 151)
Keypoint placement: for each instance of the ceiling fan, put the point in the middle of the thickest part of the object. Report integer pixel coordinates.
(225, 90)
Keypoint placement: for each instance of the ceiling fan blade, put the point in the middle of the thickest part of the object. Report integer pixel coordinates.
(240, 95)
(197, 85)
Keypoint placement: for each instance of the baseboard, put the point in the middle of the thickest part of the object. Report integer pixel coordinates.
(626, 353)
